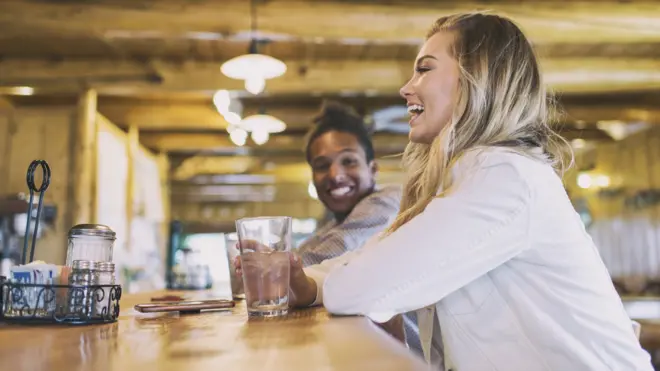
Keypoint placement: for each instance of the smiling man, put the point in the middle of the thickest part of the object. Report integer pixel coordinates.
(341, 155)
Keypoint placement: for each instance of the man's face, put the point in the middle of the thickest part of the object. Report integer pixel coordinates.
(341, 174)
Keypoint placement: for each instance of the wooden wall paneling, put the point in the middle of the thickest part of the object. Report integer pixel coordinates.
(629, 238)
(43, 133)
(6, 127)
(57, 147)
(5, 105)
(26, 146)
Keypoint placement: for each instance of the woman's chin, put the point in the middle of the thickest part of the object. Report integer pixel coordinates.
(417, 136)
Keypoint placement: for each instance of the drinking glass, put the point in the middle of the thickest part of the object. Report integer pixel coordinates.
(235, 282)
(265, 245)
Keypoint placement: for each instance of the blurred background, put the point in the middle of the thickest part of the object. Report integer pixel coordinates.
(148, 130)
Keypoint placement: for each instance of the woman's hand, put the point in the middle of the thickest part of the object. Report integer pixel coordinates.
(302, 289)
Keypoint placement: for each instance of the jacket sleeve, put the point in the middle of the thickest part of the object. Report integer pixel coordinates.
(369, 217)
(459, 237)
(318, 272)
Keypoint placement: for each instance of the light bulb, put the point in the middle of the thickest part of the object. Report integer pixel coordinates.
(232, 118)
(238, 137)
(602, 181)
(221, 101)
(255, 84)
(584, 181)
(265, 123)
(23, 90)
(578, 143)
(260, 136)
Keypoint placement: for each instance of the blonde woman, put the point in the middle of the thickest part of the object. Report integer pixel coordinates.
(486, 245)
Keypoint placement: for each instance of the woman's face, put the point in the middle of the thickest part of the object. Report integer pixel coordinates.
(432, 91)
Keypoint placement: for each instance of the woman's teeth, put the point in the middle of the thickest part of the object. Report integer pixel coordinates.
(415, 109)
(338, 192)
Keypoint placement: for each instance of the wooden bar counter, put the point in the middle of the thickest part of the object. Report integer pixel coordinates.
(306, 339)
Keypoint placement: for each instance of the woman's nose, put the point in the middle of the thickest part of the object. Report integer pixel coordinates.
(406, 90)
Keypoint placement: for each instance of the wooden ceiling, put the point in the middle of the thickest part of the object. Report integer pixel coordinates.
(156, 65)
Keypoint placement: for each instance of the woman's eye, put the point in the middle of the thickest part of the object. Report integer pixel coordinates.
(422, 69)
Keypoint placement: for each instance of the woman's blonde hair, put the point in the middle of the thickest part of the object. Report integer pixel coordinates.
(502, 102)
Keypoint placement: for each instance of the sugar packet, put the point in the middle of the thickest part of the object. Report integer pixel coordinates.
(34, 301)
(37, 272)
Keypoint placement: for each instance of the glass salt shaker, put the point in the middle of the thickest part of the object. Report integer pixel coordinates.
(106, 277)
(93, 242)
(84, 274)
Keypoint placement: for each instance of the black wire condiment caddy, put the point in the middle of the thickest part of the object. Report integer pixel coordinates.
(46, 293)
(64, 304)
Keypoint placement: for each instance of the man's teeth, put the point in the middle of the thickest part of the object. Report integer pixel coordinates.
(338, 192)
(415, 109)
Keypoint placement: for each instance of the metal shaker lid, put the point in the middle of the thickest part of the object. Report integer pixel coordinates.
(92, 230)
(106, 266)
(84, 264)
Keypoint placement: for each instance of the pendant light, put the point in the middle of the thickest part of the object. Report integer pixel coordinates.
(253, 68)
(260, 136)
(262, 122)
(238, 136)
(261, 126)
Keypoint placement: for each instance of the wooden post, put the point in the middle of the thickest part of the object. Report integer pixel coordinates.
(164, 175)
(133, 146)
(84, 158)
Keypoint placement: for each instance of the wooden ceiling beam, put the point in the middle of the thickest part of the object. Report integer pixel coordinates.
(400, 21)
(167, 117)
(287, 145)
(197, 116)
(292, 145)
(344, 77)
(207, 142)
(72, 74)
(276, 170)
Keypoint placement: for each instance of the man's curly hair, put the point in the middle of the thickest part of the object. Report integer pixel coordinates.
(337, 116)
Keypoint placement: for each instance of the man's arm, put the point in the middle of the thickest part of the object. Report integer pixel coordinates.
(369, 217)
